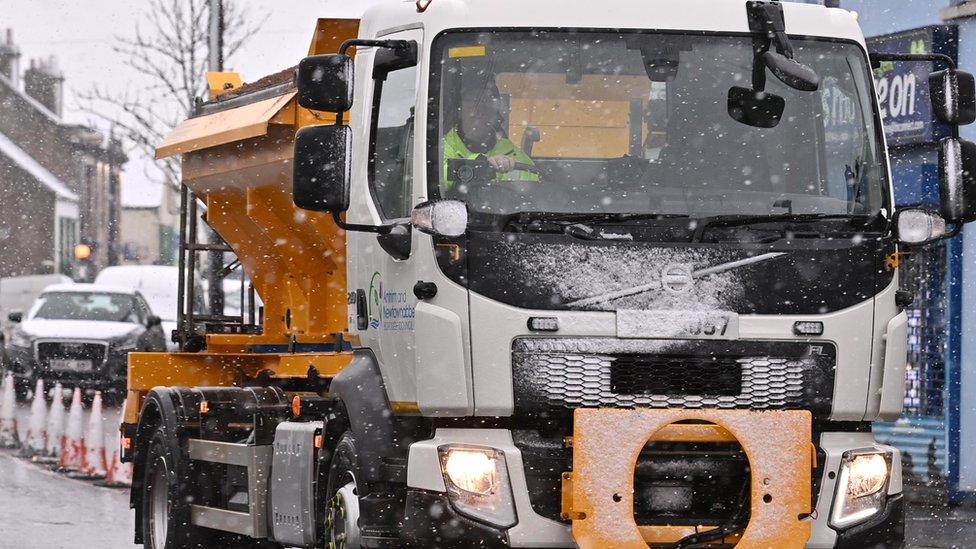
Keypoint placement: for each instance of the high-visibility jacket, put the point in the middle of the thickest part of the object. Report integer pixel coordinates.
(455, 148)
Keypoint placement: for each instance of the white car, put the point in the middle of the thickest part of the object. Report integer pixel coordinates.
(80, 335)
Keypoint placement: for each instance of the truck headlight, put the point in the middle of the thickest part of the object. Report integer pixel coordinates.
(862, 487)
(478, 484)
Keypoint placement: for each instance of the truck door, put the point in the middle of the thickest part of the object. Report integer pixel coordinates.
(387, 264)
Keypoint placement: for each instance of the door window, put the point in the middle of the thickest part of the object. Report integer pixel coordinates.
(391, 142)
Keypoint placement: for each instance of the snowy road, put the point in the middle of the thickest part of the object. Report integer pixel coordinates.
(43, 509)
(46, 510)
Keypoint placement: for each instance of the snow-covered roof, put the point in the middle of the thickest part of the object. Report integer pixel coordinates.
(37, 105)
(89, 288)
(26, 162)
(142, 193)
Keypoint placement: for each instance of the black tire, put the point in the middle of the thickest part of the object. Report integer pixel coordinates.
(169, 528)
(343, 469)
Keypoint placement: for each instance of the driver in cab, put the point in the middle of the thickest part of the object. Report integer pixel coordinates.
(479, 136)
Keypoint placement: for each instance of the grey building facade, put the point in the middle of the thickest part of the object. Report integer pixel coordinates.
(59, 182)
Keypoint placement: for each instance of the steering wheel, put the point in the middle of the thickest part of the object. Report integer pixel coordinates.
(465, 171)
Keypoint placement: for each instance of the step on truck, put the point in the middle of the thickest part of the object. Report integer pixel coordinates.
(614, 274)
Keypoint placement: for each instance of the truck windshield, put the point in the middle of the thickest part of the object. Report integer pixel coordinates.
(638, 123)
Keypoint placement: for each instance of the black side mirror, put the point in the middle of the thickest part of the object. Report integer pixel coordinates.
(758, 109)
(953, 94)
(325, 82)
(957, 186)
(322, 168)
(388, 60)
(152, 321)
(15, 317)
(791, 72)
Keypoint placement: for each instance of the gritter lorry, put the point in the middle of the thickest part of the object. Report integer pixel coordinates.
(615, 274)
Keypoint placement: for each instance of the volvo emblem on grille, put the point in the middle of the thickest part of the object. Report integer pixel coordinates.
(73, 347)
(677, 279)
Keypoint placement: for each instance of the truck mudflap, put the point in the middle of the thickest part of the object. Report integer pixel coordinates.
(598, 495)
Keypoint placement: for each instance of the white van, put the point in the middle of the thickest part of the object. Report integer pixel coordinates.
(158, 284)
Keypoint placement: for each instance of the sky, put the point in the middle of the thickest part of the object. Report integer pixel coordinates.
(80, 34)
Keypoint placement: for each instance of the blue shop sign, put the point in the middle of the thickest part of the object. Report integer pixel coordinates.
(903, 87)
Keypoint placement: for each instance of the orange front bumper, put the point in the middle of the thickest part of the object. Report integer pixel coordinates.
(599, 494)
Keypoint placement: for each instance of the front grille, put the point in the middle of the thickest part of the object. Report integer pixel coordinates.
(675, 375)
(557, 374)
(70, 350)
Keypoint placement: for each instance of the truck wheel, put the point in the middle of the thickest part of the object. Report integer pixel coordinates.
(165, 507)
(342, 497)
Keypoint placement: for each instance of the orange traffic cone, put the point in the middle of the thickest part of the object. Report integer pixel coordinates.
(8, 415)
(94, 462)
(73, 447)
(119, 474)
(55, 425)
(36, 440)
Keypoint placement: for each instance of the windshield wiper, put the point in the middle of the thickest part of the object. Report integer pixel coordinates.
(580, 225)
(571, 228)
(706, 223)
(523, 218)
(586, 232)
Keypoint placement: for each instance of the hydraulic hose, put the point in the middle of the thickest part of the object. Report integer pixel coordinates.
(736, 522)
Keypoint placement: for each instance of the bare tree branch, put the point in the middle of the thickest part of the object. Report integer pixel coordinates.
(169, 53)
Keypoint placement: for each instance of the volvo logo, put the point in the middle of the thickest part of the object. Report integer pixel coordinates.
(73, 347)
(677, 279)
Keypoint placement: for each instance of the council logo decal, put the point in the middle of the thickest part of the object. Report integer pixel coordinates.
(390, 309)
(375, 298)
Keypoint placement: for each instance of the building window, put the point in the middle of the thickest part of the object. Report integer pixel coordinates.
(167, 245)
(67, 238)
(924, 276)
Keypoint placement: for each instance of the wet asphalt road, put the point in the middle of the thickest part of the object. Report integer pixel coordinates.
(45, 510)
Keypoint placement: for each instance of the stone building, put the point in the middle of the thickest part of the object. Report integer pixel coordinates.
(59, 182)
(150, 225)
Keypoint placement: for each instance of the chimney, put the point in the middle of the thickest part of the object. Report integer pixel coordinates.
(9, 57)
(44, 82)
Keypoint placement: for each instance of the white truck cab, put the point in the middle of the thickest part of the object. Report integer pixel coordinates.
(616, 274)
(699, 217)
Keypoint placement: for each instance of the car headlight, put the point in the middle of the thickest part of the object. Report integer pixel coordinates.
(128, 342)
(478, 484)
(862, 486)
(18, 338)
